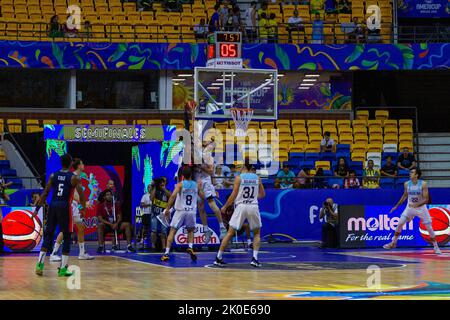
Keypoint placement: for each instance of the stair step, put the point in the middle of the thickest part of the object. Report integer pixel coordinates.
(438, 183)
(434, 134)
(436, 173)
(434, 140)
(438, 165)
(435, 148)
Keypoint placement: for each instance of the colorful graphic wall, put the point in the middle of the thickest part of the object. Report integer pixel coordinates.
(184, 56)
(424, 9)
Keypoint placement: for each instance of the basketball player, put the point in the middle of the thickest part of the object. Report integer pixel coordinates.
(185, 198)
(78, 166)
(416, 191)
(203, 175)
(247, 189)
(62, 183)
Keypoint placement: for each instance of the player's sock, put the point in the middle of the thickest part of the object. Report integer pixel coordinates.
(42, 256)
(219, 254)
(56, 248)
(81, 245)
(64, 261)
(167, 250)
(396, 235)
(190, 245)
(221, 225)
(255, 254)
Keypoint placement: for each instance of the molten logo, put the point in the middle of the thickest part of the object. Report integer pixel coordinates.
(383, 222)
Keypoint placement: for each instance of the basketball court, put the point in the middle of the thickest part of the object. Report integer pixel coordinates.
(288, 272)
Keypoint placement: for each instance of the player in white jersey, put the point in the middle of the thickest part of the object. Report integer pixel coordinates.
(203, 174)
(185, 197)
(78, 166)
(247, 189)
(416, 191)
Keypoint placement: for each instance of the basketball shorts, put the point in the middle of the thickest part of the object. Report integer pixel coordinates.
(183, 218)
(247, 212)
(157, 226)
(146, 219)
(58, 215)
(76, 216)
(421, 212)
(208, 189)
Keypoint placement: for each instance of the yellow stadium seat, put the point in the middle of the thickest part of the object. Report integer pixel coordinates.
(298, 130)
(2, 126)
(343, 123)
(405, 130)
(156, 122)
(49, 122)
(283, 123)
(313, 123)
(391, 138)
(408, 145)
(331, 130)
(301, 138)
(390, 123)
(382, 115)
(358, 156)
(390, 130)
(314, 130)
(345, 130)
(359, 124)
(374, 147)
(376, 138)
(66, 121)
(14, 125)
(346, 139)
(405, 123)
(405, 138)
(298, 122)
(2, 155)
(284, 129)
(101, 122)
(362, 114)
(359, 130)
(328, 123)
(315, 138)
(325, 165)
(374, 123)
(360, 138)
(267, 125)
(119, 122)
(312, 147)
(84, 122)
(298, 147)
(375, 130)
(358, 147)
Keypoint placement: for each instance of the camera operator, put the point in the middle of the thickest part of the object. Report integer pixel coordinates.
(330, 225)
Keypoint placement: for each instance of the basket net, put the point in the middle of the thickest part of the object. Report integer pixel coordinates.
(241, 118)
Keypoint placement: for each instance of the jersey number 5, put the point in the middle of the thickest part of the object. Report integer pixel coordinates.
(60, 189)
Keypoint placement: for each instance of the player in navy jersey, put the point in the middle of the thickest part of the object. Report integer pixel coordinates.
(62, 183)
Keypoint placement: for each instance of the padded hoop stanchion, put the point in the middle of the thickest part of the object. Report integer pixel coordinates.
(241, 118)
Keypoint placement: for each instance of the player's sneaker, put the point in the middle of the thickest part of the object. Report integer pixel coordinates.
(163, 219)
(62, 272)
(39, 269)
(192, 254)
(255, 263)
(131, 249)
(223, 232)
(165, 257)
(85, 256)
(208, 235)
(437, 250)
(390, 245)
(219, 262)
(55, 258)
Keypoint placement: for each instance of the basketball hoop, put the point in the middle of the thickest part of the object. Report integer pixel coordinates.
(241, 118)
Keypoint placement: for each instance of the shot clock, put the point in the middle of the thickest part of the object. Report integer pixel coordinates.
(224, 50)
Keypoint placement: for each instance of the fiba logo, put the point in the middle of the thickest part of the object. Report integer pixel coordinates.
(440, 218)
(21, 231)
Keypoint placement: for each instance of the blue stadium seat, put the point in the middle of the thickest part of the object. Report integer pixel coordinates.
(343, 154)
(387, 183)
(312, 156)
(299, 156)
(403, 172)
(306, 164)
(9, 172)
(394, 156)
(355, 165)
(333, 181)
(328, 173)
(4, 164)
(399, 182)
(358, 173)
(327, 156)
(343, 148)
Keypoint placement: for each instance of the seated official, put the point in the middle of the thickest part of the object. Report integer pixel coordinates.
(110, 221)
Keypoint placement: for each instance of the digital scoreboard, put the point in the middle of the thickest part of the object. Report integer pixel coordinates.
(225, 50)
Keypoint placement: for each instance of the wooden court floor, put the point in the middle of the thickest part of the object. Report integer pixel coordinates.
(287, 273)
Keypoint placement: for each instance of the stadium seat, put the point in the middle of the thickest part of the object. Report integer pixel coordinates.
(360, 138)
(403, 172)
(14, 125)
(405, 123)
(315, 138)
(297, 156)
(358, 156)
(84, 122)
(312, 156)
(382, 115)
(390, 130)
(343, 123)
(155, 122)
(140, 122)
(313, 123)
(66, 121)
(301, 139)
(332, 182)
(376, 138)
(362, 115)
(399, 182)
(346, 139)
(33, 126)
(387, 183)
(298, 122)
(268, 125)
(325, 165)
(374, 147)
(327, 156)
(391, 139)
(101, 122)
(343, 148)
(394, 156)
(315, 130)
(119, 122)
(375, 157)
(296, 148)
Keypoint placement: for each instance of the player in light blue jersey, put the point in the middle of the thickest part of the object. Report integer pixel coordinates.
(246, 192)
(416, 191)
(184, 199)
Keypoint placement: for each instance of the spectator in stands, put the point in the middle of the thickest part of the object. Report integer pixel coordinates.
(272, 32)
(214, 22)
(344, 6)
(224, 13)
(172, 5)
(87, 29)
(110, 221)
(357, 35)
(294, 24)
(236, 19)
(56, 30)
(285, 178)
(317, 30)
(3, 186)
(327, 144)
(406, 160)
(201, 30)
(352, 182)
(371, 176)
(263, 26)
(330, 215)
(303, 180)
(389, 169)
(341, 169)
(250, 22)
(262, 10)
(218, 178)
(225, 170)
(319, 180)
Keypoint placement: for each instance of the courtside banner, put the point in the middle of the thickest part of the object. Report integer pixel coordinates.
(373, 226)
(108, 133)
